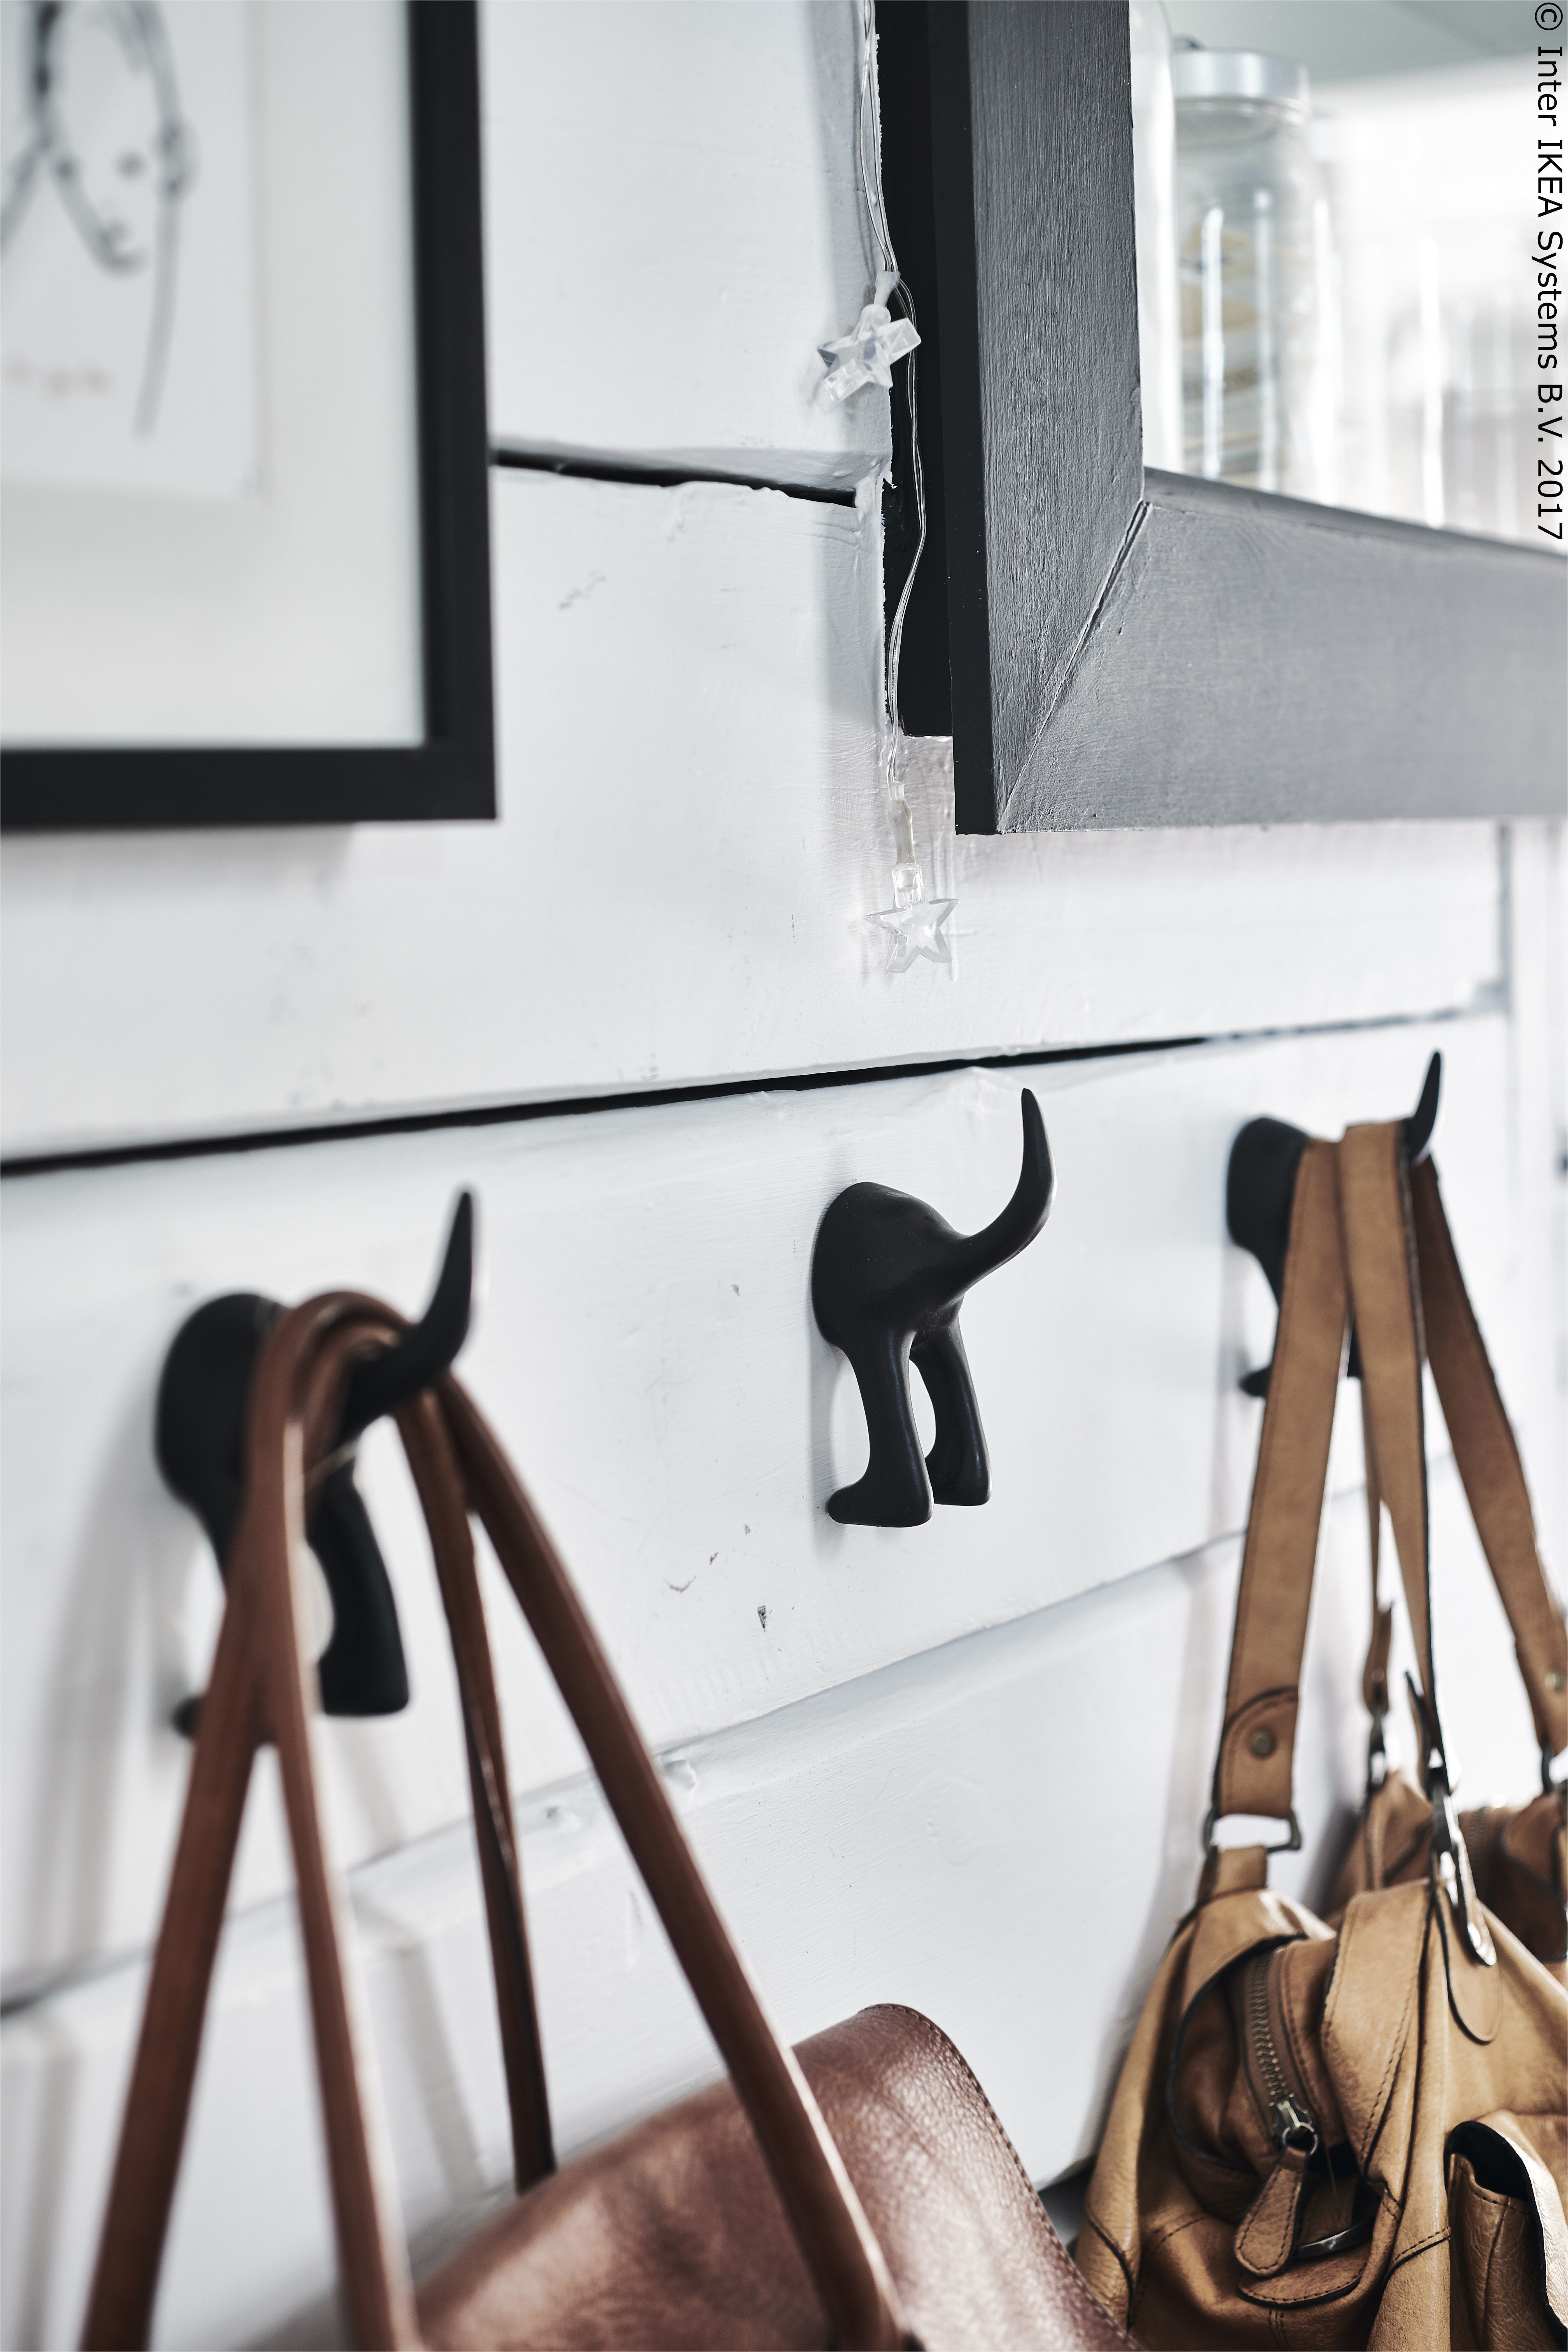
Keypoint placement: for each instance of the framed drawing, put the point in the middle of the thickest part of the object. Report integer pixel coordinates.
(244, 458)
(1110, 644)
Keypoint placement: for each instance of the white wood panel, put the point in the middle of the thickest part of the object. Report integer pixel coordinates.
(1000, 1833)
(1538, 1123)
(690, 844)
(646, 1347)
(674, 225)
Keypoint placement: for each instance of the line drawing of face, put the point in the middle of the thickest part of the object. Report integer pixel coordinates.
(103, 127)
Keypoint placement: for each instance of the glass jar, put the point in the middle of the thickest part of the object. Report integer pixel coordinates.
(1251, 231)
(1154, 213)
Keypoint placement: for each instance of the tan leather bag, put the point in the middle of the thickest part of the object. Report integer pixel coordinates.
(1355, 2135)
(859, 2192)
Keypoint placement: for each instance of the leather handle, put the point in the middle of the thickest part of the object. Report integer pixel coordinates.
(1376, 1211)
(258, 1690)
(1381, 1264)
(1374, 1691)
(1352, 1246)
(439, 1487)
(158, 2099)
(826, 2214)
(1254, 1768)
(1487, 1457)
(1489, 1464)
(262, 1686)
(372, 2252)
(1369, 1233)
(1374, 1674)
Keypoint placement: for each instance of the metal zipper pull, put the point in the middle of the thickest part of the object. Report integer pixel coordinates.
(1295, 2128)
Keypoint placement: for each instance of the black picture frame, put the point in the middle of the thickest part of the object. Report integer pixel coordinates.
(450, 775)
(1114, 647)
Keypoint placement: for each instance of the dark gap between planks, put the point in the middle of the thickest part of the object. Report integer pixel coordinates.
(654, 477)
(207, 1147)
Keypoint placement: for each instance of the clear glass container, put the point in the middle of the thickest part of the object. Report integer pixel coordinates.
(1253, 245)
(1154, 205)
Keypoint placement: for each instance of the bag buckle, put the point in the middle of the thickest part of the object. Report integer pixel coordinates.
(1450, 1857)
(1376, 1753)
(1451, 1870)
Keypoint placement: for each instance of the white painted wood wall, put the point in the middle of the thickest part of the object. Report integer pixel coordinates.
(962, 1765)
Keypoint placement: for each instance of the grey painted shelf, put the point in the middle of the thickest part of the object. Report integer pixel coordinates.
(1116, 648)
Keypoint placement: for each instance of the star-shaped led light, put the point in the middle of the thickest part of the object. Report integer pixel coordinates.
(915, 925)
(866, 354)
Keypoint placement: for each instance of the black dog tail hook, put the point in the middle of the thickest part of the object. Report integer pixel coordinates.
(887, 1278)
(978, 1255)
(1260, 1191)
(199, 1442)
(1423, 1119)
(385, 1384)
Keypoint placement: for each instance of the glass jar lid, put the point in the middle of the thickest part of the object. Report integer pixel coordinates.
(1239, 73)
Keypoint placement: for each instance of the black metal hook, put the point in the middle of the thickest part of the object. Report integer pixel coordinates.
(385, 1382)
(199, 1442)
(1260, 1188)
(887, 1278)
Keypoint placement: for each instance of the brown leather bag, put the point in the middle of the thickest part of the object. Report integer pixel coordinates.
(859, 2192)
(1350, 2136)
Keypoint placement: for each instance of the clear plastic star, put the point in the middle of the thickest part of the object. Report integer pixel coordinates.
(917, 930)
(865, 356)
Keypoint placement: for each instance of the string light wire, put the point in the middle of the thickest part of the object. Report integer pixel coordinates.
(868, 140)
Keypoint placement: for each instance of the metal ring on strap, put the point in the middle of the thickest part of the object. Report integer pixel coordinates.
(1292, 1844)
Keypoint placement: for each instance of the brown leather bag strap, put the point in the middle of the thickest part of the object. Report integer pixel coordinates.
(372, 2252)
(825, 2212)
(233, 1722)
(262, 1686)
(440, 1486)
(1374, 1674)
(1380, 1262)
(1488, 1465)
(258, 1690)
(1253, 1770)
(1392, 1247)
(1377, 1220)
(157, 2102)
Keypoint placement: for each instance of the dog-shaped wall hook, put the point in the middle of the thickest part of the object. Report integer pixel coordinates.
(887, 1278)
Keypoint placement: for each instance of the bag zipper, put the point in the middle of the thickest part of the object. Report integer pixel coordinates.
(1268, 2233)
(1269, 2236)
(1294, 2125)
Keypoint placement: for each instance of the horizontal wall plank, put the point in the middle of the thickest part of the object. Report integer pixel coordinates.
(690, 844)
(645, 1346)
(674, 224)
(1000, 1833)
